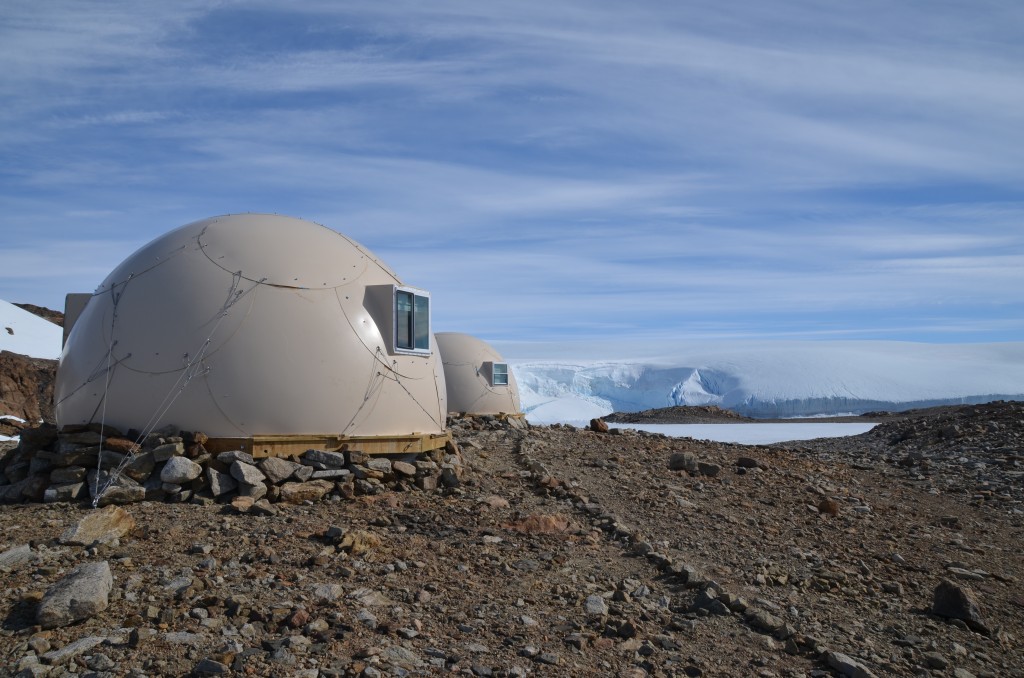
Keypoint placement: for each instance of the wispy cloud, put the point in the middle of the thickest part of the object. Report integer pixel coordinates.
(570, 168)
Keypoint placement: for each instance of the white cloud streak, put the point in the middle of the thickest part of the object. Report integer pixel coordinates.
(595, 166)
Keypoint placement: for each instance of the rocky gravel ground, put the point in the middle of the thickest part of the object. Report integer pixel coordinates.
(561, 552)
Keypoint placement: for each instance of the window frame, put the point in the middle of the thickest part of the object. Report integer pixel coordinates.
(494, 373)
(414, 293)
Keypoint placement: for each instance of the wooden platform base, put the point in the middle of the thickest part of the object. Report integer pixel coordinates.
(295, 445)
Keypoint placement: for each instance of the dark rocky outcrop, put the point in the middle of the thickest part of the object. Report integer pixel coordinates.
(26, 390)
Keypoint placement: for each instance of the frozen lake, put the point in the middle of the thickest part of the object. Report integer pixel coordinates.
(754, 434)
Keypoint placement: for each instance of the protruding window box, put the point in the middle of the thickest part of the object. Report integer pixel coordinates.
(412, 321)
(499, 374)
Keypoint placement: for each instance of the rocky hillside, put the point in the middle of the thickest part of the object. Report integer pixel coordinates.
(26, 383)
(679, 414)
(557, 552)
(26, 389)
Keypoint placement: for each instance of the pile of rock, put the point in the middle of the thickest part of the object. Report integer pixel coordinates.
(83, 463)
(487, 422)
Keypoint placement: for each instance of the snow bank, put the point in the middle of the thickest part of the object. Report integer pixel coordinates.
(28, 334)
(780, 379)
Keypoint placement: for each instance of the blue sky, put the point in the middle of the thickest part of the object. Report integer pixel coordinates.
(552, 171)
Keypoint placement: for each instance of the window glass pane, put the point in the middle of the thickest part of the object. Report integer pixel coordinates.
(421, 316)
(403, 320)
(499, 374)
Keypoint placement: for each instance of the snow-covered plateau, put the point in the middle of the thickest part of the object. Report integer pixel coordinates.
(28, 334)
(775, 379)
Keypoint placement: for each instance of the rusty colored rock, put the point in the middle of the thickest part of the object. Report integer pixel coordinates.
(543, 524)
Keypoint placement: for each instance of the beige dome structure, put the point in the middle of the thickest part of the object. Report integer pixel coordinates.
(258, 327)
(477, 377)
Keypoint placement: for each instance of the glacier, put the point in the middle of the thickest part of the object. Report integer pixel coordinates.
(779, 379)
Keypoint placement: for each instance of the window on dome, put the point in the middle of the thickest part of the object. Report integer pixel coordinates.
(499, 374)
(412, 321)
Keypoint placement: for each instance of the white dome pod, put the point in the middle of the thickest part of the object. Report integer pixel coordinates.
(253, 325)
(477, 377)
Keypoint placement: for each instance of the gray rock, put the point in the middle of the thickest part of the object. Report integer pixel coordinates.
(31, 488)
(958, 602)
(334, 473)
(764, 621)
(63, 492)
(595, 606)
(72, 650)
(321, 459)
(68, 474)
(449, 476)
(184, 638)
(893, 587)
(81, 594)
(246, 473)
(403, 468)
(327, 592)
(356, 457)
(231, 456)
(165, 452)
(100, 662)
(16, 556)
(848, 666)
(381, 464)
(262, 507)
(140, 466)
(934, 660)
(179, 470)
(123, 494)
(427, 483)
(211, 667)
(367, 618)
(278, 470)
(426, 467)
(708, 469)
(303, 473)
(682, 461)
(105, 479)
(399, 656)
(220, 483)
(255, 492)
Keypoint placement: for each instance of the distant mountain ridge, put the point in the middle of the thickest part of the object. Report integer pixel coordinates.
(777, 380)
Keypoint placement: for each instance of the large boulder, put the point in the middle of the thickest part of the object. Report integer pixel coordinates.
(102, 526)
(958, 602)
(180, 470)
(246, 473)
(82, 593)
(278, 470)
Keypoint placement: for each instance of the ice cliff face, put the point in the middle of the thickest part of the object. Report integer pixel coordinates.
(785, 379)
